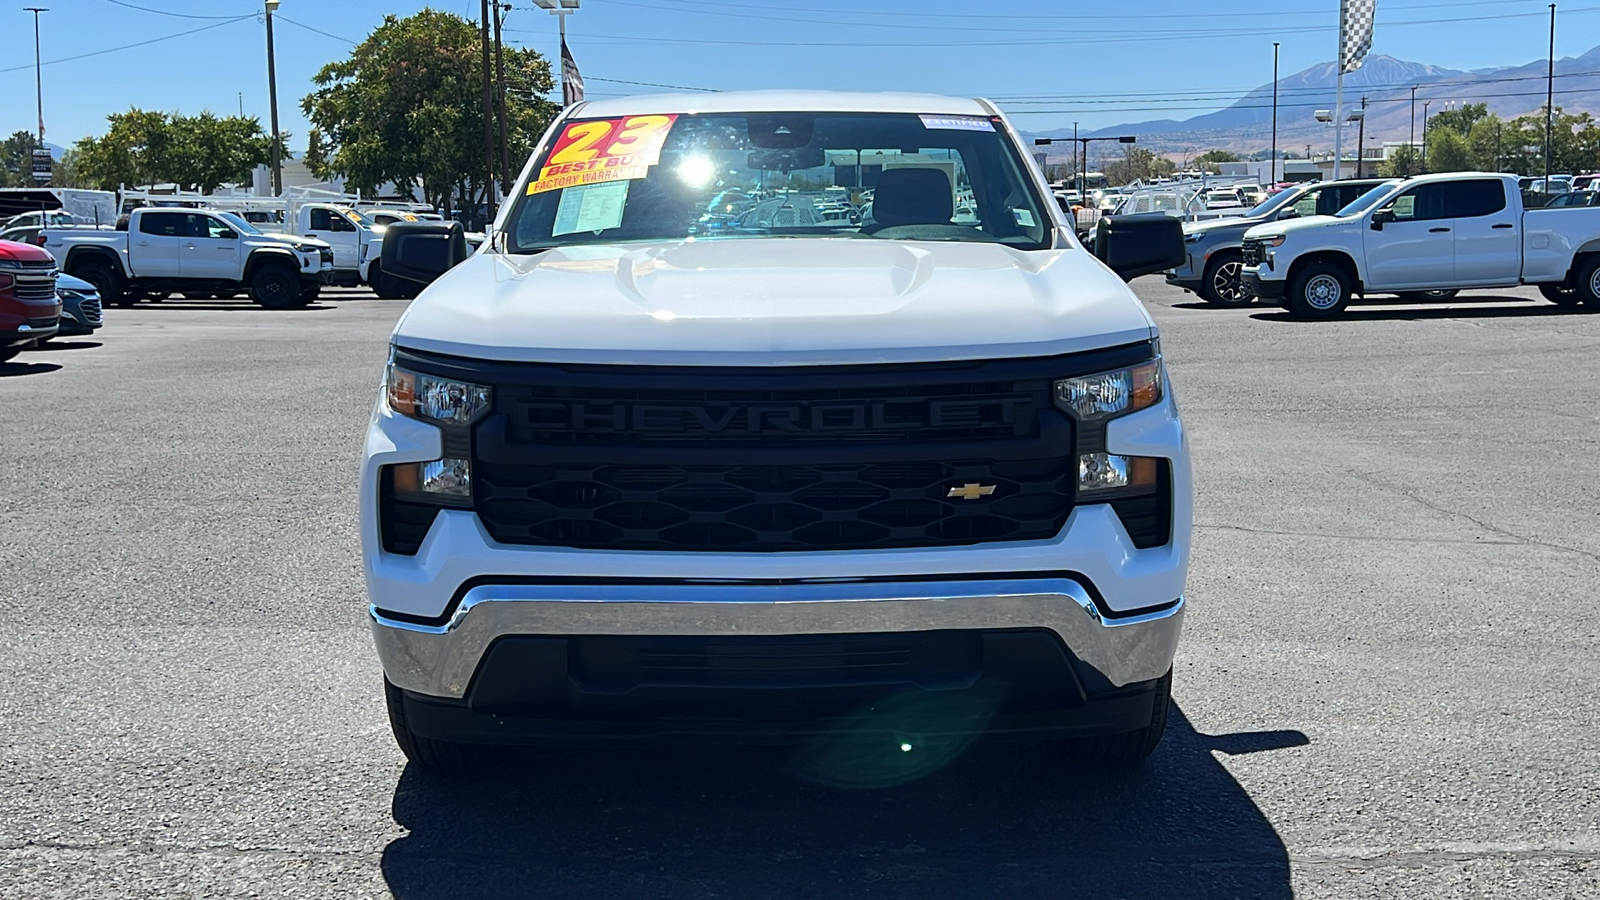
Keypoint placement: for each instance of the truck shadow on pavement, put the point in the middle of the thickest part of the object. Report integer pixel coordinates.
(19, 367)
(1001, 820)
(1376, 311)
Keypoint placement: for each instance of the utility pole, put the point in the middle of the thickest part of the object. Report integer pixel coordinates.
(272, 98)
(1550, 100)
(506, 175)
(488, 122)
(1425, 105)
(1413, 119)
(1361, 139)
(1274, 162)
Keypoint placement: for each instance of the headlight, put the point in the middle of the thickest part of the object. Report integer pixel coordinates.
(1093, 401)
(70, 294)
(453, 406)
(434, 399)
(1272, 240)
(1110, 394)
(303, 248)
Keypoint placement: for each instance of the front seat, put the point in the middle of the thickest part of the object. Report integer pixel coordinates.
(913, 196)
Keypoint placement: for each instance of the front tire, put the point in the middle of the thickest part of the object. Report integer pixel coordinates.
(1223, 284)
(1319, 291)
(386, 286)
(107, 282)
(1588, 283)
(276, 287)
(426, 752)
(1131, 747)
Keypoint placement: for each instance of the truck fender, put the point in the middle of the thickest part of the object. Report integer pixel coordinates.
(77, 256)
(1334, 256)
(264, 255)
(1591, 247)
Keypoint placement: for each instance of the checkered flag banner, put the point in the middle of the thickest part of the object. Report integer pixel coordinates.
(1355, 32)
(571, 81)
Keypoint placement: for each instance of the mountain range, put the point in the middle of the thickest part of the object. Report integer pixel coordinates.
(1386, 82)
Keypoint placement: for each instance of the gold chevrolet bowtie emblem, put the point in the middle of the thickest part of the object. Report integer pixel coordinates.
(971, 491)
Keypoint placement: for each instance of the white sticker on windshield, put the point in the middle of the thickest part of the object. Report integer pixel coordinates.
(590, 207)
(957, 123)
(1024, 217)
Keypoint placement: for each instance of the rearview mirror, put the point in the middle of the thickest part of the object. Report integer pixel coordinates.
(1139, 245)
(419, 252)
(785, 160)
(1381, 218)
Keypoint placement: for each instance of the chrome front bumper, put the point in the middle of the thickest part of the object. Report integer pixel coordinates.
(439, 660)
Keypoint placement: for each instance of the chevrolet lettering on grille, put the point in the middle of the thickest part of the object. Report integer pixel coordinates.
(773, 419)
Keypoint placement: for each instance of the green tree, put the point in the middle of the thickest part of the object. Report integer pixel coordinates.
(1403, 163)
(1212, 160)
(1460, 120)
(16, 159)
(407, 107)
(1136, 164)
(1448, 151)
(197, 153)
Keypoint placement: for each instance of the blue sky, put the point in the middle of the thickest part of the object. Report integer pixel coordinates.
(1099, 64)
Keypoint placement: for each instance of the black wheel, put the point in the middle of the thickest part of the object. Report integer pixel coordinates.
(309, 294)
(1320, 290)
(1588, 283)
(276, 287)
(1223, 284)
(1421, 296)
(106, 280)
(428, 752)
(386, 286)
(1560, 296)
(1130, 747)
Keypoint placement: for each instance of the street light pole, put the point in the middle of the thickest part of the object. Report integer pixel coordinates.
(1274, 161)
(488, 121)
(272, 99)
(1361, 138)
(500, 93)
(38, 68)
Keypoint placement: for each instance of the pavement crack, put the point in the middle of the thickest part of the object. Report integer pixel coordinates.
(1359, 537)
(1493, 529)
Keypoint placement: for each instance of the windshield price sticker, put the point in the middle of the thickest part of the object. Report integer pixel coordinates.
(957, 123)
(603, 150)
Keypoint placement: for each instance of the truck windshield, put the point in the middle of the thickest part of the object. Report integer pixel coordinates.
(1274, 203)
(792, 175)
(239, 223)
(360, 220)
(1366, 201)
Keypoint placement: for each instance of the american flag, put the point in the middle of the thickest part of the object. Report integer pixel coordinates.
(1355, 32)
(571, 80)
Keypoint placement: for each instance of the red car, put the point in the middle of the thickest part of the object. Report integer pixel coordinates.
(29, 308)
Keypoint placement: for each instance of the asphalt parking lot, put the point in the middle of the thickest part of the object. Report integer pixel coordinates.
(1389, 684)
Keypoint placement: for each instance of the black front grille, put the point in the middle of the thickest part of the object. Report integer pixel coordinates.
(753, 507)
(325, 254)
(1252, 253)
(794, 459)
(92, 311)
(44, 322)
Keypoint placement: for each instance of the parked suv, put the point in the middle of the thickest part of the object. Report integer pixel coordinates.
(29, 310)
(1214, 261)
(632, 479)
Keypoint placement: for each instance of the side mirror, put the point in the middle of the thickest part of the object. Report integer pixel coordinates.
(419, 252)
(229, 235)
(1290, 213)
(1382, 217)
(1139, 245)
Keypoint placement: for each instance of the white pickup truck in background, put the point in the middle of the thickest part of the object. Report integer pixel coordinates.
(191, 251)
(356, 239)
(1433, 233)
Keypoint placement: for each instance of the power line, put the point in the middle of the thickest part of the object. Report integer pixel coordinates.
(162, 12)
(1186, 97)
(1145, 36)
(675, 87)
(1043, 112)
(280, 17)
(687, 6)
(51, 62)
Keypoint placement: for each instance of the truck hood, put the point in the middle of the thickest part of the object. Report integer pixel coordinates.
(1292, 225)
(280, 238)
(774, 302)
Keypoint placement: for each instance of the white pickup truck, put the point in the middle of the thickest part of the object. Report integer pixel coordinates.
(192, 251)
(637, 476)
(356, 239)
(1434, 234)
